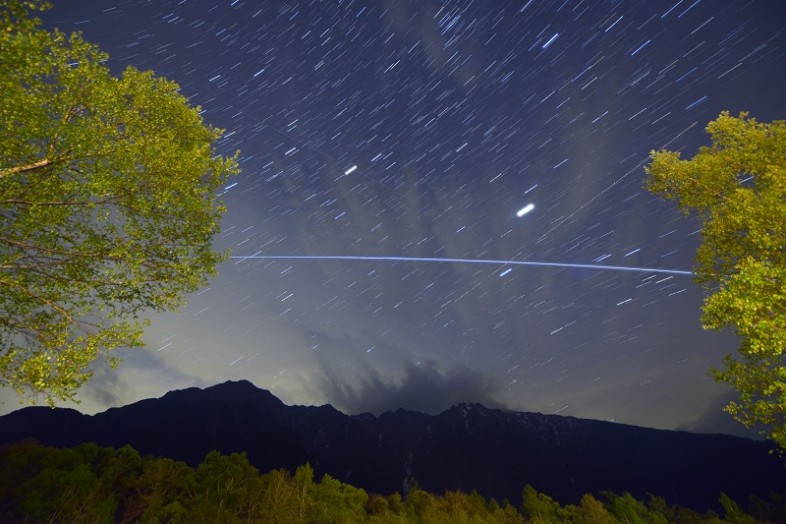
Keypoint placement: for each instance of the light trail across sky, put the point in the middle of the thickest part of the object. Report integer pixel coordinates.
(437, 260)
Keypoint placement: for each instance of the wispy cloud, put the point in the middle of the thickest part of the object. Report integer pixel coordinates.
(423, 387)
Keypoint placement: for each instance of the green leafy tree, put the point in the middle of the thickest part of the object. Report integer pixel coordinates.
(334, 502)
(304, 482)
(418, 502)
(281, 500)
(507, 514)
(230, 489)
(737, 186)
(51, 485)
(540, 508)
(397, 504)
(771, 508)
(108, 204)
(592, 511)
(160, 492)
(462, 508)
(627, 509)
(734, 513)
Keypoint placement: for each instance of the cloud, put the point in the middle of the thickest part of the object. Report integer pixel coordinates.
(423, 387)
(141, 374)
(106, 387)
(715, 420)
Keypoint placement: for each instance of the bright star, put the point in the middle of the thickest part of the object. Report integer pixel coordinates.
(524, 210)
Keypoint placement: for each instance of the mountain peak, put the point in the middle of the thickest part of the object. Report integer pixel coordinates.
(229, 391)
(234, 385)
(240, 389)
(468, 406)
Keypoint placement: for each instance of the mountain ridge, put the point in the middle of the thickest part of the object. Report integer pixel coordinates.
(467, 446)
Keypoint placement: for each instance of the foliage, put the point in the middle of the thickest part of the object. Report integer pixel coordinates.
(539, 508)
(737, 186)
(108, 203)
(93, 484)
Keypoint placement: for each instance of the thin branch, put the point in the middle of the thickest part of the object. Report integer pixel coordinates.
(28, 167)
(54, 203)
(50, 251)
(71, 113)
(41, 299)
(32, 166)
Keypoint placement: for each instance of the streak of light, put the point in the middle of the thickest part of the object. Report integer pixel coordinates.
(436, 260)
(524, 210)
(551, 40)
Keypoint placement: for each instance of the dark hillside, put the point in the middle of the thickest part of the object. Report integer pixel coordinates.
(466, 447)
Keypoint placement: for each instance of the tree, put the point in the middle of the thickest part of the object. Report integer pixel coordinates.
(42, 484)
(304, 482)
(737, 186)
(280, 500)
(108, 204)
(592, 511)
(627, 509)
(333, 502)
(733, 512)
(230, 488)
(540, 508)
(159, 492)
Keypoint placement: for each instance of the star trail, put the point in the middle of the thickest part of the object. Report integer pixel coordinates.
(450, 192)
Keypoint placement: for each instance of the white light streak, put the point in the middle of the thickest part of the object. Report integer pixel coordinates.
(436, 260)
(551, 40)
(524, 210)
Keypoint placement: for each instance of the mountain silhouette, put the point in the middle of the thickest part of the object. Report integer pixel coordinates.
(465, 447)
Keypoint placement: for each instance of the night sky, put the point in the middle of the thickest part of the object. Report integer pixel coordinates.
(419, 129)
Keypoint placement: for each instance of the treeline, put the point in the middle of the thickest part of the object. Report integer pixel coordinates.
(91, 484)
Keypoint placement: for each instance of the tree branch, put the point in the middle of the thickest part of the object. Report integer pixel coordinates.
(41, 299)
(31, 167)
(28, 167)
(51, 253)
(54, 203)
